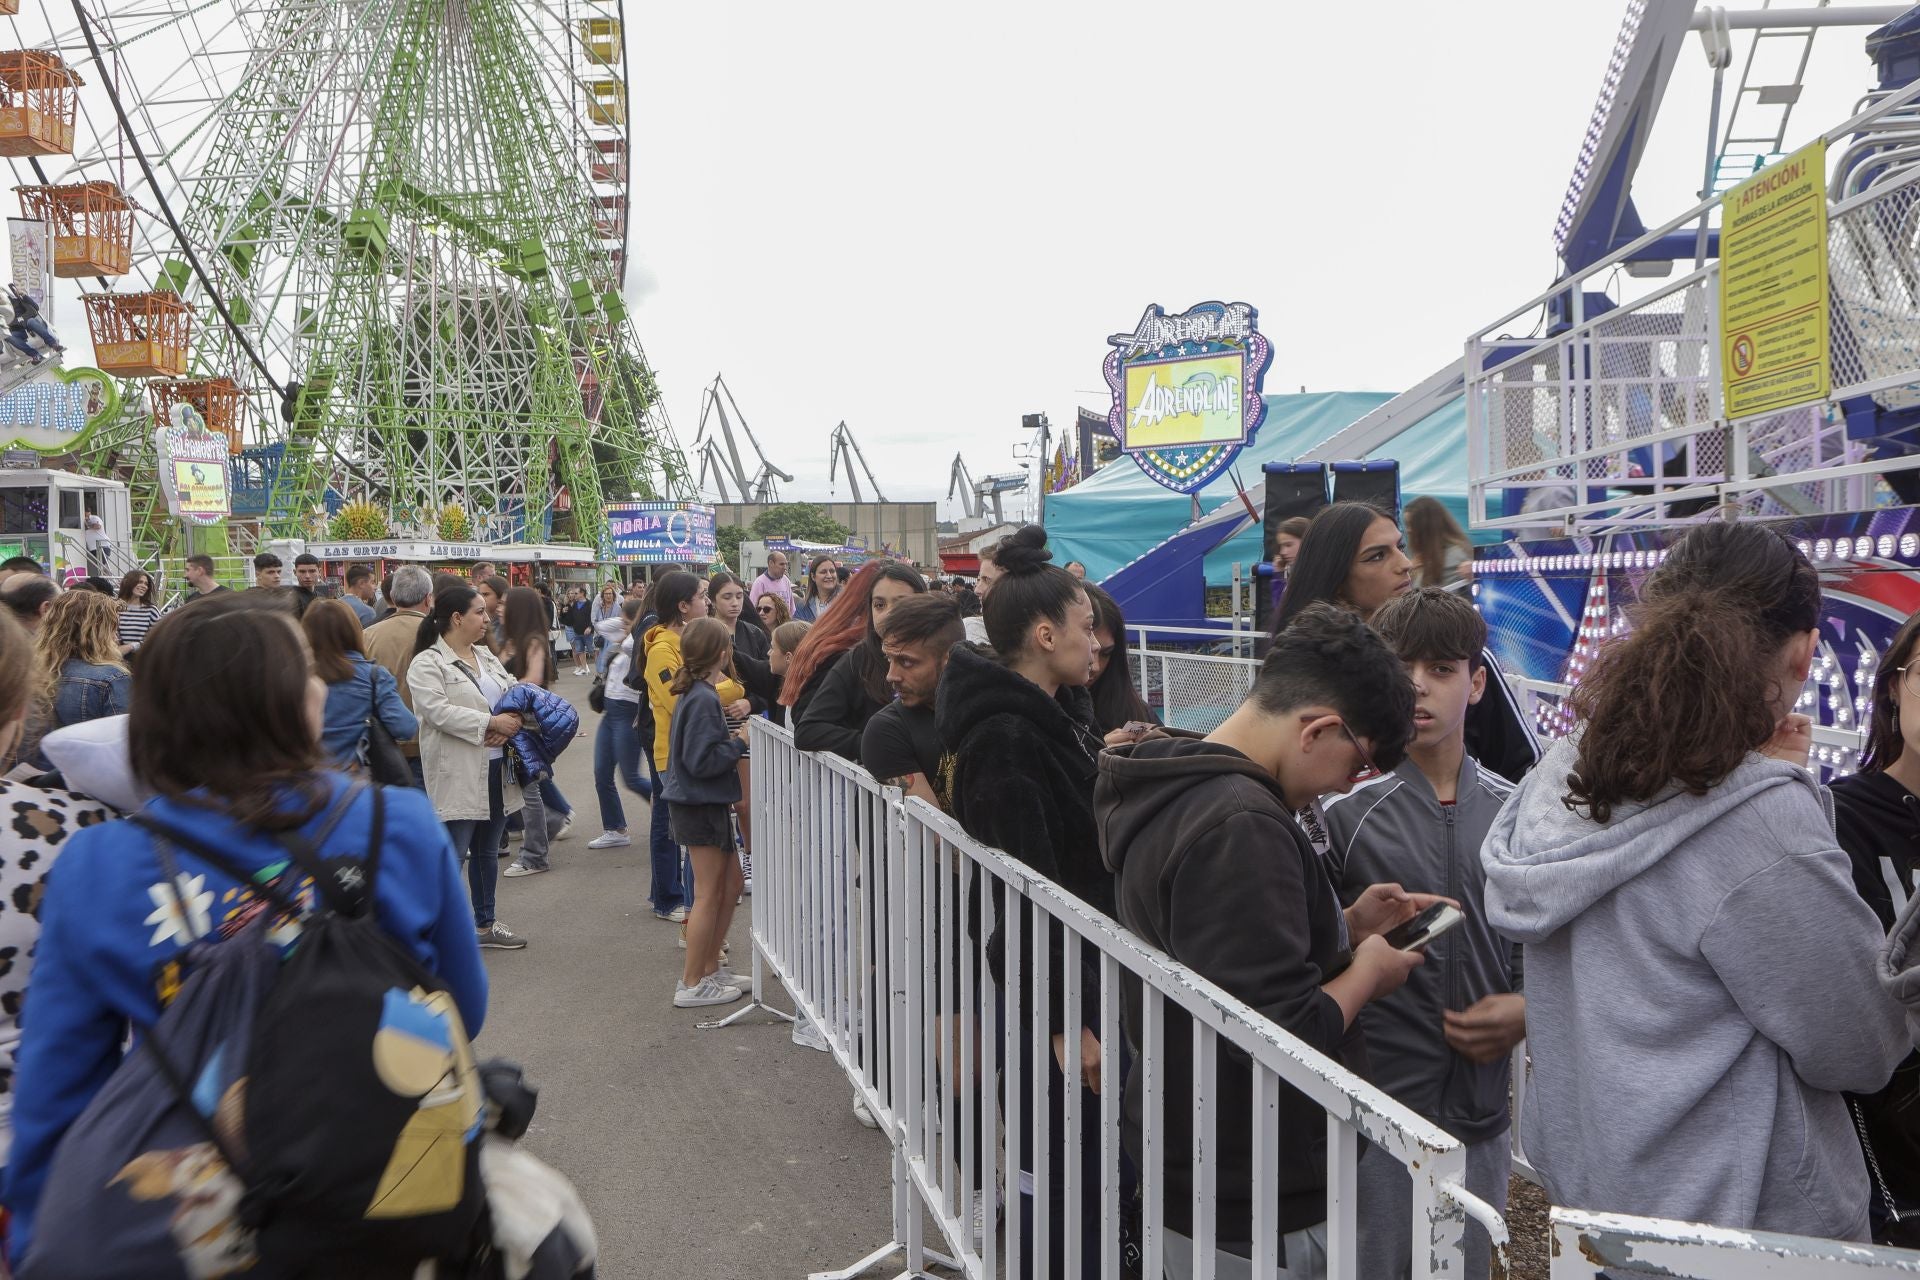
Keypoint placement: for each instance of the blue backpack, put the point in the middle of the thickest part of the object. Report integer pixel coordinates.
(296, 1116)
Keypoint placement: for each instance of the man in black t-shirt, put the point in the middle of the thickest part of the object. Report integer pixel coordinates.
(900, 746)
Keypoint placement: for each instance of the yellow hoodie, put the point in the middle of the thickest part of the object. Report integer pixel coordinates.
(662, 646)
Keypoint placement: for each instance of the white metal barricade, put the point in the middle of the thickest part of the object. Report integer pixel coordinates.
(1591, 1245)
(878, 915)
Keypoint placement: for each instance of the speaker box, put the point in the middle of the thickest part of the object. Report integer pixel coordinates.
(1293, 489)
(1374, 483)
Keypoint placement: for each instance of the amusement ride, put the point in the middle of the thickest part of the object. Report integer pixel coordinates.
(377, 246)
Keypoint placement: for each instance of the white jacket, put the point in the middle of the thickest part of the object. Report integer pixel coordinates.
(453, 731)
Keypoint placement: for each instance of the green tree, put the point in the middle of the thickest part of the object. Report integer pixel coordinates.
(806, 521)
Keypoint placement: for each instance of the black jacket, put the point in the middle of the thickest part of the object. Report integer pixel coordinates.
(577, 616)
(1877, 821)
(1498, 735)
(1020, 771)
(751, 644)
(835, 710)
(1212, 870)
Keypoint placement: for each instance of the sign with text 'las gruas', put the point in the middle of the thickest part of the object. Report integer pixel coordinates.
(1773, 287)
(1187, 390)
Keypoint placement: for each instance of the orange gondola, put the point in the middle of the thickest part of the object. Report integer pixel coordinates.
(38, 95)
(222, 404)
(92, 226)
(139, 335)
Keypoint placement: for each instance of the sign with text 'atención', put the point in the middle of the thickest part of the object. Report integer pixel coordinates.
(1774, 350)
(1187, 390)
(661, 533)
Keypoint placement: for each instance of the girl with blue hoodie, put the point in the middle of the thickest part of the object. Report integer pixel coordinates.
(225, 731)
(1701, 973)
(701, 787)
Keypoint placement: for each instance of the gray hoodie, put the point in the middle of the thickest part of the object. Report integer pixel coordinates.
(1700, 988)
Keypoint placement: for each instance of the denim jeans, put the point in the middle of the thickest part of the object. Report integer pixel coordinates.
(581, 643)
(542, 821)
(616, 745)
(38, 328)
(672, 886)
(478, 842)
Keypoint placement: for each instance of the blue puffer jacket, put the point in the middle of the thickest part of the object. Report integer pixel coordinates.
(548, 723)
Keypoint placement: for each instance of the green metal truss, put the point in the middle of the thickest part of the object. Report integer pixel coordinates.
(392, 197)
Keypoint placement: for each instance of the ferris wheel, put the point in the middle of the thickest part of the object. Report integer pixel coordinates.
(392, 234)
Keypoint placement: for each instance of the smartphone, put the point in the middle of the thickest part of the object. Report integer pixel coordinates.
(1425, 927)
(1137, 729)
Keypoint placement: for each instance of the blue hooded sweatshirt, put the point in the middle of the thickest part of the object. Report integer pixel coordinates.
(1701, 986)
(111, 934)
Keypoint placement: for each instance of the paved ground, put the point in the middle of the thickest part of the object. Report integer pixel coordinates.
(700, 1153)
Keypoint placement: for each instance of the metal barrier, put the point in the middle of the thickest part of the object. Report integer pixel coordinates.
(1192, 690)
(1587, 1246)
(880, 916)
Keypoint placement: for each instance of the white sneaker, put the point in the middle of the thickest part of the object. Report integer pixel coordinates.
(565, 827)
(749, 886)
(861, 1113)
(733, 979)
(709, 991)
(678, 915)
(610, 840)
(807, 1034)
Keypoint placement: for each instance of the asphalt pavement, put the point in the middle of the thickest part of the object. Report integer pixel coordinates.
(700, 1154)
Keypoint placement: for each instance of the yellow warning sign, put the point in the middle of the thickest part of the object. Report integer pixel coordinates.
(1773, 286)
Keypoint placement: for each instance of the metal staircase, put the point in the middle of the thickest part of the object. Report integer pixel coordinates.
(1770, 85)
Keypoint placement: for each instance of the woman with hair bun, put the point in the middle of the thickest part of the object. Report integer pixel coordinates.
(1694, 939)
(1023, 742)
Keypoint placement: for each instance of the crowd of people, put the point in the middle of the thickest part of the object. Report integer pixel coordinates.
(1696, 937)
(1683, 919)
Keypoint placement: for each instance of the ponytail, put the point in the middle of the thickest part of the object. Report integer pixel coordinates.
(448, 603)
(1704, 654)
(706, 646)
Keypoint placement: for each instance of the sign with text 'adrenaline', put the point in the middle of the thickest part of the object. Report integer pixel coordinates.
(1187, 390)
(661, 533)
(1773, 287)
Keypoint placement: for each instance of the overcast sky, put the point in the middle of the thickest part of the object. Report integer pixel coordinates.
(926, 219)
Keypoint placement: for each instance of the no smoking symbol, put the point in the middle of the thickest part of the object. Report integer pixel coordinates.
(1742, 352)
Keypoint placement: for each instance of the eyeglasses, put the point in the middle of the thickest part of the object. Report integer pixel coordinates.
(766, 608)
(1910, 679)
(1368, 770)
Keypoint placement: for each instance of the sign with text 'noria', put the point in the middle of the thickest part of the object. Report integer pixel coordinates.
(661, 533)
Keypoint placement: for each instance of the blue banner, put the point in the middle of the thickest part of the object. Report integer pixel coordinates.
(661, 533)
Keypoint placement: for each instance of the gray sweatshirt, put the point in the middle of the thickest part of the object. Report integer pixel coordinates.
(1700, 987)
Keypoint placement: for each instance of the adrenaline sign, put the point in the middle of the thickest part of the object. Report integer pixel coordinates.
(1187, 390)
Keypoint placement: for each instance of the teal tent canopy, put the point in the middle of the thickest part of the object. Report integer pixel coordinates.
(1118, 515)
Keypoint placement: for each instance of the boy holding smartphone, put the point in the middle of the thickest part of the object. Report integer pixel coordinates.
(1441, 1043)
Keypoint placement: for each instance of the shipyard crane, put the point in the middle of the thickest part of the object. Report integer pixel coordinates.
(847, 449)
(725, 466)
(975, 495)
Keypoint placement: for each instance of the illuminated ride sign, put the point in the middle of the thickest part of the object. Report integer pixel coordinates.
(660, 533)
(193, 467)
(56, 414)
(1187, 390)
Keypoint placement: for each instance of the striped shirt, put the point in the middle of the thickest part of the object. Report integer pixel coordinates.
(135, 621)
